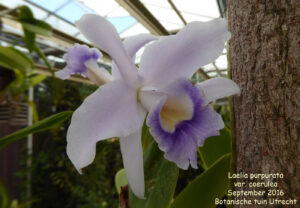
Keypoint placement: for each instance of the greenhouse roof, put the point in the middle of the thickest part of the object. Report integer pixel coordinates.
(130, 17)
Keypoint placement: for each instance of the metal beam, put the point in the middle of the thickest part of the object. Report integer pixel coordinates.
(143, 15)
(41, 69)
(217, 68)
(202, 73)
(177, 11)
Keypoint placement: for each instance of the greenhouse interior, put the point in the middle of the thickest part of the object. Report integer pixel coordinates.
(149, 103)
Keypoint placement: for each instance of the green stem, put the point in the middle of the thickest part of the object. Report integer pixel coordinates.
(204, 165)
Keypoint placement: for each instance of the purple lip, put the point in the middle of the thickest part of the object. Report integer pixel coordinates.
(180, 146)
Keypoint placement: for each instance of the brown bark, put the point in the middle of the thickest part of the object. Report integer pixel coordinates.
(265, 63)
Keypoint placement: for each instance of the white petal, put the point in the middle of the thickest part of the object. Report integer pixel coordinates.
(219, 87)
(97, 75)
(181, 55)
(150, 98)
(63, 74)
(111, 111)
(132, 45)
(132, 153)
(103, 34)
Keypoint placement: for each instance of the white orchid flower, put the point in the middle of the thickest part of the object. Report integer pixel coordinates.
(180, 117)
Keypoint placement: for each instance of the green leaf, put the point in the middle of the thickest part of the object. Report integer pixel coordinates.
(36, 79)
(4, 196)
(160, 180)
(43, 57)
(25, 13)
(31, 24)
(211, 184)
(215, 147)
(38, 27)
(146, 136)
(42, 125)
(120, 179)
(12, 58)
(18, 85)
(29, 40)
(23, 82)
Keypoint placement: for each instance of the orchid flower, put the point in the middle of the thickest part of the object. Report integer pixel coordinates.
(180, 115)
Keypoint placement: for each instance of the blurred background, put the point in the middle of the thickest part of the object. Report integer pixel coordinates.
(36, 171)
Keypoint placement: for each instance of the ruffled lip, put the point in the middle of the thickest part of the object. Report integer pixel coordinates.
(180, 146)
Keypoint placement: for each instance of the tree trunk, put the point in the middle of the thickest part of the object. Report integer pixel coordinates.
(265, 63)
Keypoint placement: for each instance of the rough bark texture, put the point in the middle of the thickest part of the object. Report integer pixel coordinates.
(265, 63)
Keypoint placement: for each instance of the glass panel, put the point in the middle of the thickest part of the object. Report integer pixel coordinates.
(134, 30)
(71, 12)
(190, 17)
(221, 62)
(50, 5)
(167, 16)
(101, 7)
(199, 7)
(122, 23)
(12, 3)
(61, 25)
(118, 12)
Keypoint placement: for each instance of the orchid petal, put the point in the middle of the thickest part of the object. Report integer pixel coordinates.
(111, 111)
(96, 74)
(65, 73)
(219, 87)
(150, 98)
(76, 59)
(180, 144)
(132, 45)
(181, 55)
(103, 34)
(132, 153)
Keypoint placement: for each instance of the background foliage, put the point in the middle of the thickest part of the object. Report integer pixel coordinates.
(55, 182)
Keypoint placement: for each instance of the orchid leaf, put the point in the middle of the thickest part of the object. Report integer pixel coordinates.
(12, 58)
(38, 27)
(120, 179)
(22, 82)
(25, 14)
(31, 27)
(211, 184)
(29, 40)
(43, 57)
(4, 196)
(31, 24)
(34, 80)
(215, 147)
(160, 180)
(146, 137)
(39, 126)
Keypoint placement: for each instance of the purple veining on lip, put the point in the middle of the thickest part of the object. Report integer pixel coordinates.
(76, 58)
(181, 145)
